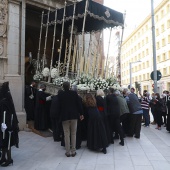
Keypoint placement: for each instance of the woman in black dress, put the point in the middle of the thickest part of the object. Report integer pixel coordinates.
(9, 125)
(158, 110)
(101, 105)
(168, 114)
(96, 133)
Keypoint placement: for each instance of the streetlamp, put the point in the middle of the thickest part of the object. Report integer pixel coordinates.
(130, 66)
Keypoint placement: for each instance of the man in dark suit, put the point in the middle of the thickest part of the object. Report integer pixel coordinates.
(113, 111)
(30, 93)
(55, 118)
(70, 109)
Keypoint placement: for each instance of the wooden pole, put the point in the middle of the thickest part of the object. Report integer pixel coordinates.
(52, 52)
(71, 38)
(83, 31)
(39, 46)
(45, 44)
(61, 41)
(106, 67)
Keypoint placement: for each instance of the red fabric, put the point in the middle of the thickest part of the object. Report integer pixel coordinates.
(41, 101)
(100, 108)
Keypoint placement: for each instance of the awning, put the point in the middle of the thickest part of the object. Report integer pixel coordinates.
(98, 17)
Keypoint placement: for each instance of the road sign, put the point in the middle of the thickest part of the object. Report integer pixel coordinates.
(159, 75)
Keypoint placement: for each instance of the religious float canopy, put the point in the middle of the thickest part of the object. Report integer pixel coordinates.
(81, 17)
(98, 17)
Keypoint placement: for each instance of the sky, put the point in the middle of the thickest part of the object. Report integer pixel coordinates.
(136, 12)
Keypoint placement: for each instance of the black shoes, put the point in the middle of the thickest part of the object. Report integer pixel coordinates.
(104, 150)
(67, 154)
(137, 137)
(73, 154)
(8, 162)
(2, 161)
(121, 142)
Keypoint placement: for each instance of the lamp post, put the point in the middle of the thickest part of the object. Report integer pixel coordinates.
(130, 69)
(154, 48)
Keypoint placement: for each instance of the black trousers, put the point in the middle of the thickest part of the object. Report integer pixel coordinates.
(158, 118)
(114, 125)
(124, 119)
(135, 124)
(57, 129)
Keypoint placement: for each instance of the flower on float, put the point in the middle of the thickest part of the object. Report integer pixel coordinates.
(54, 73)
(38, 77)
(46, 72)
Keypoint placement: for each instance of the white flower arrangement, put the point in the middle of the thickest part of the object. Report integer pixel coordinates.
(99, 84)
(83, 87)
(46, 72)
(54, 73)
(84, 79)
(60, 80)
(38, 77)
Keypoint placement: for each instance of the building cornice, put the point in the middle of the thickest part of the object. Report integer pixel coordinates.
(145, 21)
(45, 4)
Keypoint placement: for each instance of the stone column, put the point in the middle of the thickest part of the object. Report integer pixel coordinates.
(15, 54)
(3, 28)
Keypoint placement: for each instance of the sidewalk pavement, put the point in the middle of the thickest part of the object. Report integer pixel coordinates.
(150, 152)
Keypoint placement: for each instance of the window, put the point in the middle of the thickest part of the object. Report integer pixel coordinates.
(143, 54)
(147, 51)
(157, 45)
(163, 42)
(138, 45)
(146, 39)
(168, 8)
(162, 13)
(157, 17)
(162, 28)
(147, 63)
(138, 34)
(163, 57)
(146, 27)
(158, 58)
(164, 72)
(157, 31)
(144, 77)
(168, 23)
(142, 42)
(143, 65)
(169, 39)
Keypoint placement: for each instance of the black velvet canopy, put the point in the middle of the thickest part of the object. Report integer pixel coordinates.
(98, 17)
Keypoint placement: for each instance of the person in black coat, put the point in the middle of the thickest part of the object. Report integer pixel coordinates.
(9, 125)
(30, 96)
(158, 103)
(41, 121)
(55, 118)
(168, 113)
(113, 111)
(70, 109)
(102, 107)
(96, 133)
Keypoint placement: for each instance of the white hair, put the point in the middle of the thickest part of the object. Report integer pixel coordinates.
(117, 92)
(128, 92)
(100, 92)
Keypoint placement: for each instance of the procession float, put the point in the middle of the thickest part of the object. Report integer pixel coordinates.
(80, 58)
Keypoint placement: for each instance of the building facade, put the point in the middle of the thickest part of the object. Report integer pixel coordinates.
(17, 17)
(137, 51)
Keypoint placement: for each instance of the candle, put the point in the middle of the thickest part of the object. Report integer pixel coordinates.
(11, 119)
(4, 116)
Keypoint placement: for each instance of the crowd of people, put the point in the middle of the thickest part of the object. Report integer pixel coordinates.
(97, 118)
